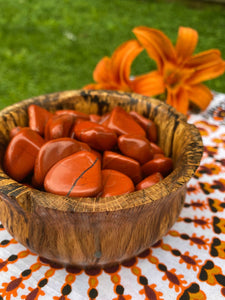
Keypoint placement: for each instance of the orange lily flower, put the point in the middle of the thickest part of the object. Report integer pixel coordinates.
(114, 73)
(179, 72)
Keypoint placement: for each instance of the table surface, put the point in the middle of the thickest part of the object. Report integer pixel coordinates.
(188, 263)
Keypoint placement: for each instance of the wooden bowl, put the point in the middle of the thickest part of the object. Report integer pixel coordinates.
(95, 232)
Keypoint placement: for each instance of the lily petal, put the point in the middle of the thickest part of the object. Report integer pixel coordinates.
(157, 44)
(186, 43)
(207, 73)
(204, 59)
(102, 70)
(101, 86)
(90, 86)
(200, 95)
(149, 84)
(178, 100)
(122, 59)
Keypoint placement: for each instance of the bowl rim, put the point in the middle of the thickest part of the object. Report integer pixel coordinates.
(113, 203)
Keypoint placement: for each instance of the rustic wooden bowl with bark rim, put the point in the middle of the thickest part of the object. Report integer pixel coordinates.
(91, 232)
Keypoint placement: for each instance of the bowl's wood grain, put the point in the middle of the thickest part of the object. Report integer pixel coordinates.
(99, 231)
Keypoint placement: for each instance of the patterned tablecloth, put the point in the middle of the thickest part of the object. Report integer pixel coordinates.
(188, 263)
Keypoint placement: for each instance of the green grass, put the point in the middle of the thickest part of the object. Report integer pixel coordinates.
(48, 46)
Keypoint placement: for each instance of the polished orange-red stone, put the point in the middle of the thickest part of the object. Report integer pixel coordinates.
(163, 165)
(123, 164)
(115, 183)
(156, 149)
(21, 153)
(98, 154)
(151, 131)
(158, 155)
(52, 152)
(149, 181)
(77, 175)
(94, 118)
(38, 117)
(104, 119)
(95, 135)
(75, 113)
(148, 125)
(122, 123)
(136, 147)
(59, 126)
(14, 131)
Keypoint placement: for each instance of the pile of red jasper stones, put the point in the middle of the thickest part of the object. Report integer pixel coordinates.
(74, 154)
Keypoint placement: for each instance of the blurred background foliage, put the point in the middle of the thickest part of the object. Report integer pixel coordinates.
(48, 46)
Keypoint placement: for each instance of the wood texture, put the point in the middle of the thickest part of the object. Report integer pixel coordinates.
(99, 231)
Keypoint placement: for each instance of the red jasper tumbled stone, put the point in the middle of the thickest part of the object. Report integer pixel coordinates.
(115, 183)
(104, 119)
(75, 113)
(148, 125)
(136, 147)
(59, 126)
(14, 131)
(98, 154)
(77, 175)
(149, 181)
(158, 155)
(95, 118)
(156, 149)
(52, 152)
(38, 117)
(21, 153)
(123, 164)
(123, 123)
(95, 135)
(163, 165)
